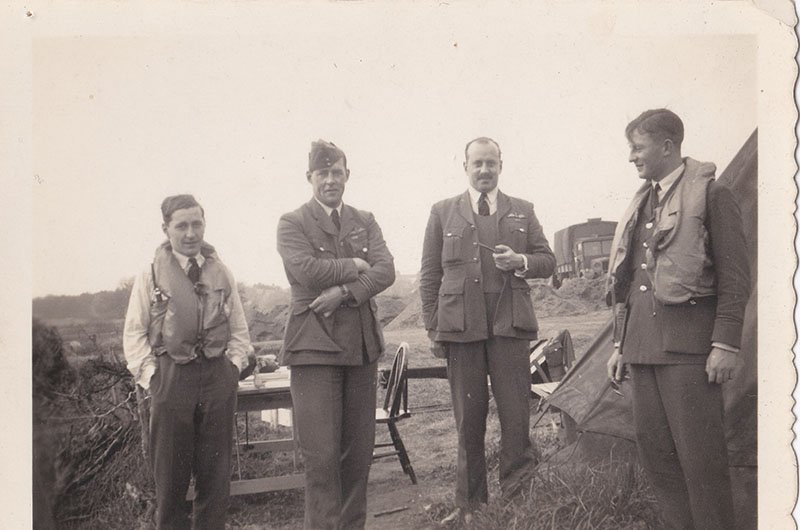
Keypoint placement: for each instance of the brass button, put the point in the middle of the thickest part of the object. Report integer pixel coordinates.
(644, 244)
(643, 288)
(648, 225)
(644, 266)
(474, 244)
(449, 234)
(474, 259)
(477, 280)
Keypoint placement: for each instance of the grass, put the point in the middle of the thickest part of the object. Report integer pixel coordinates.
(586, 496)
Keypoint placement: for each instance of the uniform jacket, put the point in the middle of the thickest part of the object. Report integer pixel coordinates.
(453, 304)
(696, 261)
(316, 258)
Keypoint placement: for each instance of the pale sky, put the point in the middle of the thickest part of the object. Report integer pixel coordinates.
(123, 118)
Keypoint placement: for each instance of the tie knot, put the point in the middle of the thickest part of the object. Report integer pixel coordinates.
(335, 219)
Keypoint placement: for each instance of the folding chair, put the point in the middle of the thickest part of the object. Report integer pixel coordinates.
(395, 408)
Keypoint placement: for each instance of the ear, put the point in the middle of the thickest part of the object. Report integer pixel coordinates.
(465, 166)
(164, 227)
(346, 175)
(500, 168)
(669, 147)
(308, 176)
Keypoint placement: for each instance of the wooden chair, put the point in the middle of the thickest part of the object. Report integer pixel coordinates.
(395, 408)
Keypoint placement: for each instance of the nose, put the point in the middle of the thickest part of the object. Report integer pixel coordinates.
(631, 157)
(190, 233)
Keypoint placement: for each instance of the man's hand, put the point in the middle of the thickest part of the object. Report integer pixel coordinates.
(722, 365)
(615, 367)
(506, 259)
(361, 265)
(328, 300)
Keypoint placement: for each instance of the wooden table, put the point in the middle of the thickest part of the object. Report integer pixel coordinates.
(273, 395)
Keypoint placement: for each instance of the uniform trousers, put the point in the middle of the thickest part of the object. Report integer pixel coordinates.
(191, 433)
(505, 361)
(681, 442)
(334, 408)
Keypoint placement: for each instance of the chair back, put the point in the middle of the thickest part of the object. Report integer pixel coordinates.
(397, 384)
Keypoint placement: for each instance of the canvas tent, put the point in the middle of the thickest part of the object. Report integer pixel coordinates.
(586, 395)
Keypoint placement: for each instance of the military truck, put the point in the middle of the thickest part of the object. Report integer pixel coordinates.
(582, 250)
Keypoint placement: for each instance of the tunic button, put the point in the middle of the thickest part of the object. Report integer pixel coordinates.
(477, 280)
(474, 259)
(644, 266)
(362, 250)
(474, 244)
(449, 234)
(648, 225)
(643, 288)
(644, 244)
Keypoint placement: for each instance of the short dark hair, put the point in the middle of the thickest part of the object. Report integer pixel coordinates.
(178, 202)
(661, 123)
(483, 140)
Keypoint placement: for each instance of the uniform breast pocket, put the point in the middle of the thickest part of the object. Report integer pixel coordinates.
(517, 234)
(323, 248)
(451, 248)
(359, 244)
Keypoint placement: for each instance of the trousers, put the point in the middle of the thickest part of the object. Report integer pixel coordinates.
(334, 408)
(680, 437)
(505, 361)
(191, 433)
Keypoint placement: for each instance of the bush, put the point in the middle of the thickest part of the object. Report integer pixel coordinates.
(88, 468)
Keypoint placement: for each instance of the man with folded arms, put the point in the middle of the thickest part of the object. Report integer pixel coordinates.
(336, 261)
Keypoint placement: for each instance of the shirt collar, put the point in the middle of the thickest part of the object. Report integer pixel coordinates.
(475, 195)
(328, 209)
(183, 261)
(667, 182)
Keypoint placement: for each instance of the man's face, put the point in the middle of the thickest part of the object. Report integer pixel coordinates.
(328, 183)
(648, 154)
(185, 230)
(483, 166)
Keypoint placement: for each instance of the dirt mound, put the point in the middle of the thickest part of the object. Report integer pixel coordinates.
(410, 317)
(575, 297)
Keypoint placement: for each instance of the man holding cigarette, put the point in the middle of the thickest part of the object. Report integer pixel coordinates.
(480, 247)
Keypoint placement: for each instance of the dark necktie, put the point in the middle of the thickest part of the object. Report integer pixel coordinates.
(335, 219)
(654, 197)
(194, 270)
(483, 205)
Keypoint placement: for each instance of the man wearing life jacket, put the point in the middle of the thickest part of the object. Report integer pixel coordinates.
(186, 340)
(679, 281)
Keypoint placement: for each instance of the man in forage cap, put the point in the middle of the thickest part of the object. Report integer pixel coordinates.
(336, 262)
